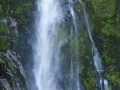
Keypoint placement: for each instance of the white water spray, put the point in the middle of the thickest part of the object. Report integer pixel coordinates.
(105, 84)
(46, 50)
(76, 76)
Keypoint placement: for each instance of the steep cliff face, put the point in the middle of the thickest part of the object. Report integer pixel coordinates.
(12, 16)
(104, 21)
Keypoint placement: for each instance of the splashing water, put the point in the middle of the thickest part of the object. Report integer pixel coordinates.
(46, 51)
(47, 48)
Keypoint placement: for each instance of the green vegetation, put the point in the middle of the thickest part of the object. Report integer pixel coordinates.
(113, 76)
(2, 29)
(103, 8)
(1, 56)
(1, 10)
(3, 44)
(21, 10)
(12, 11)
(77, 6)
(87, 77)
(62, 33)
(105, 19)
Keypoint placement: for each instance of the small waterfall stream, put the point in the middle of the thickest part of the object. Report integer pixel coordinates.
(76, 28)
(96, 56)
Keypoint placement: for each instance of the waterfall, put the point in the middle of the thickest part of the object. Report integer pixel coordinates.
(76, 76)
(105, 84)
(96, 56)
(46, 49)
(50, 44)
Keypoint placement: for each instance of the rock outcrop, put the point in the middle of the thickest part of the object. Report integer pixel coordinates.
(13, 14)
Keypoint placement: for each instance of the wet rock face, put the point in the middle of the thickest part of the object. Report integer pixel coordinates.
(12, 76)
(12, 16)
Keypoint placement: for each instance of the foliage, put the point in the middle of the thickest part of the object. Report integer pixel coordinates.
(21, 9)
(3, 44)
(77, 6)
(12, 11)
(108, 59)
(1, 56)
(1, 10)
(105, 19)
(2, 29)
(102, 8)
(113, 76)
(87, 77)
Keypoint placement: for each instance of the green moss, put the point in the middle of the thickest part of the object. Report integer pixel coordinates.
(88, 80)
(7, 9)
(62, 33)
(108, 60)
(2, 29)
(22, 7)
(105, 20)
(1, 55)
(3, 44)
(6, 60)
(8, 64)
(108, 29)
(103, 8)
(21, 10)
(10, 1)
(89, 83)
(77, 6)
(15, 46)
(73, 51)
(1, 10)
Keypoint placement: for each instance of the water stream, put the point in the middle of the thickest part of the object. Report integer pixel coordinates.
(47, 48)
(76, 77)
(96, 56)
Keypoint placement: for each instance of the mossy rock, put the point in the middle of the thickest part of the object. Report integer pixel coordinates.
(3, 44)
(2, 29)
(87, 77)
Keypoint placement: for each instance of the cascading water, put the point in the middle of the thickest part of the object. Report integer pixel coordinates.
(76, 76)
(46, 49)
(48, 45)
(96, 56)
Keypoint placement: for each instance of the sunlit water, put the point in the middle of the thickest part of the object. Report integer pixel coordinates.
(46, 49)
